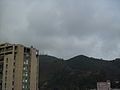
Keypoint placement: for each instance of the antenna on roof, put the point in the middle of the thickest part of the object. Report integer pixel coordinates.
(31, 46)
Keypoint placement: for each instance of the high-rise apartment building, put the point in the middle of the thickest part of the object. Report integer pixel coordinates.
(18, 67)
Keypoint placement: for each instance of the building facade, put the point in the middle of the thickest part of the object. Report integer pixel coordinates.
(18, 67)
(104, 85)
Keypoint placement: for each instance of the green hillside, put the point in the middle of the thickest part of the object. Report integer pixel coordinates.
(78, 72)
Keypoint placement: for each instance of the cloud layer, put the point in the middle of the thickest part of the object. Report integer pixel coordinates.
(64, 28)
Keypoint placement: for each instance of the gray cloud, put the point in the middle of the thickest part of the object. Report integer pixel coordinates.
(64, 28)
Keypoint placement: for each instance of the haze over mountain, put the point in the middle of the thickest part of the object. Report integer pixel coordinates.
(80, 71)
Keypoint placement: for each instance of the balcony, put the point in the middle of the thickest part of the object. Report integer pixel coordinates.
(1, 50)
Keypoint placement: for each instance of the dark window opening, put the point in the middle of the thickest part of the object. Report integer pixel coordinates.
(9, 48)
(6, 60)
(6, 66)
(8, 53)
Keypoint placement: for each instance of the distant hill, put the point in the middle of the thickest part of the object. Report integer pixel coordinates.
(49, 66)
(78, 72)
(47, 58)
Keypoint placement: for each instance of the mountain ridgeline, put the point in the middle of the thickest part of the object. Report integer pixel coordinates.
(78, 72)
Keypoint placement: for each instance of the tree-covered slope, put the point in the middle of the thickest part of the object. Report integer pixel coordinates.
(80, 71)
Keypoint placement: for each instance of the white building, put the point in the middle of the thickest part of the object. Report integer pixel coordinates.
(104, 85)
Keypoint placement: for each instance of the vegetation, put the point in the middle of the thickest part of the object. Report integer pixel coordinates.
(78, 72)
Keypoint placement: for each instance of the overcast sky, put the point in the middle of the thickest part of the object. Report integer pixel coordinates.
(63, 28)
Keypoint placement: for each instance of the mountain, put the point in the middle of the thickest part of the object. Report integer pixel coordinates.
(77, 72)
(49, 66)
(47, 58)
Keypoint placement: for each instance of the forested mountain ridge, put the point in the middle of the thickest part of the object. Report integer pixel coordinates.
(80, 71)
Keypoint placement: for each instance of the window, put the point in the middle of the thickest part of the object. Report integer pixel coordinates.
(12, 82)
(14, 70)
(8, 53)
(24, 68)
(26, 74)
(6, 60)
(1, 49)
(15, 47)
(15, 57)
(27, 54)
(26, 80)
(23, 86)
(5, 85)
(6, 72)
(14, 63)
(26, 62)
(6, 66)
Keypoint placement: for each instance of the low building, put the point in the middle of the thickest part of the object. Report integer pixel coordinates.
(104, 85)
